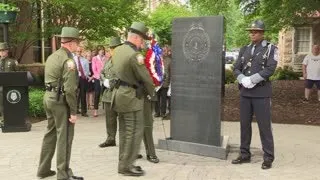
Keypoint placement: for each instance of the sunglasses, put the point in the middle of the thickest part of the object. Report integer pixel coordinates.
(254, 32)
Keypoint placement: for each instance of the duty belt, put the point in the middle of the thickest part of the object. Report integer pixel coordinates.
(50, 88)
(123, 83)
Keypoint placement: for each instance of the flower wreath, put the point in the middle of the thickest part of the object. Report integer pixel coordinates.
(154, 62)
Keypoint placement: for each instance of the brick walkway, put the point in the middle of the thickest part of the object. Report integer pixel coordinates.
(297, 155)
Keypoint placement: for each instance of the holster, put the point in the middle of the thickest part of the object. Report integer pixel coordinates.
(139, 91)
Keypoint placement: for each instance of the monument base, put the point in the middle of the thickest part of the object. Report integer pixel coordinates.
(220, 152)
(25, 128)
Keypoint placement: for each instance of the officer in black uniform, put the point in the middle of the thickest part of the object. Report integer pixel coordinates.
(255, 64)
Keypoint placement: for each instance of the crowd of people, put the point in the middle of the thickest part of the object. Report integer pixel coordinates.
(90, 65)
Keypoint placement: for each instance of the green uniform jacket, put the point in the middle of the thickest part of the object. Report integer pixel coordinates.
(128, 65)
(61, 64)
(167, 71)
(107, 73)
(8, 64)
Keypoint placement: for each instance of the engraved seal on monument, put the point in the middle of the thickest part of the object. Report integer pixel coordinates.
(196, 43)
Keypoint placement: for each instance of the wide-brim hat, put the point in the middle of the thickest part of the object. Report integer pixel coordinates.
(256, 25)
(114, 42)
(139, 28)
(4, 46)
(70, 32)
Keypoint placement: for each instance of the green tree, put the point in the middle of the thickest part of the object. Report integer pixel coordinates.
(96, 19)
(281, 13)
(276, 14)
(235, 23)
(161, 19)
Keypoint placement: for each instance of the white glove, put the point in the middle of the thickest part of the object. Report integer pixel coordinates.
(157, 88)
(169, 91)
(247, 83)
(106, 83)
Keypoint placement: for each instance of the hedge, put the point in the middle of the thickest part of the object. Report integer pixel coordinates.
(36, 102)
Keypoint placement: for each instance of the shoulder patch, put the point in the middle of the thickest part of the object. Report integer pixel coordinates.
(140, 59)
(71, 65)
(276, 54)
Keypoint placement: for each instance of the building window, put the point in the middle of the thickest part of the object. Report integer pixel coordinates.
(303, 40)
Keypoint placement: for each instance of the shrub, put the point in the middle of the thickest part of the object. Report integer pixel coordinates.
(36, 102)
(285, 73)
(229, 77)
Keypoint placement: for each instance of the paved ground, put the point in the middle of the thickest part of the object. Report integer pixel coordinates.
(297, 155)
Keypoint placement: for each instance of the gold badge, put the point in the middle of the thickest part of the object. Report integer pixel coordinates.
(70, 64)
(140, 59)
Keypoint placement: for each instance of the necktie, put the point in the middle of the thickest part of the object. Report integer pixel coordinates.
(253, 48)
(81, 69)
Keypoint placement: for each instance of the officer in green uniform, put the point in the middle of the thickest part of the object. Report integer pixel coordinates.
(60, 104)
(128, 97)
(148, 129)
(109, 78)
(6, 65)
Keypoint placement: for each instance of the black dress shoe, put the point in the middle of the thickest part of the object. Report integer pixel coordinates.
(153, 159)
(266, 165)
(139, 156)
(157, 115)
(107, 144)
(132, 172)
(76, 178)
(48, 174)
(241, 160)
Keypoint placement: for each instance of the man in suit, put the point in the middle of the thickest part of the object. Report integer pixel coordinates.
(83, 71)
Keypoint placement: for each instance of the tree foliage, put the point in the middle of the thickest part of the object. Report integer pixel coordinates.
(276, 14)
(281, 13)
(96, 19)
(161, 19)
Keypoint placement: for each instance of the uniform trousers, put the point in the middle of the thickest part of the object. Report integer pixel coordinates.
(111, 122)
(56, 137)
(130, 137)
(148, 128)
(261, 107)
